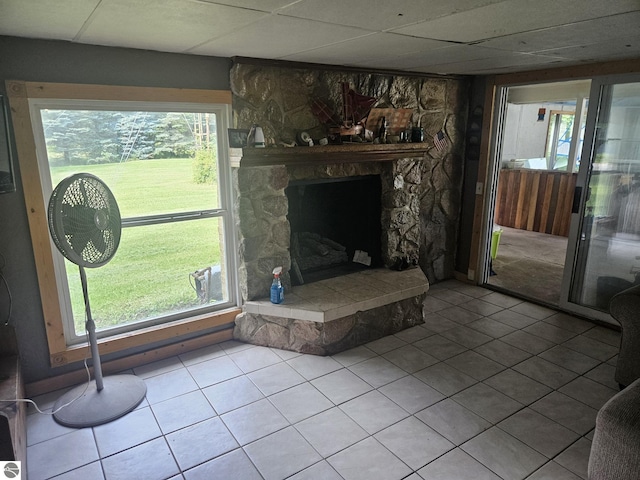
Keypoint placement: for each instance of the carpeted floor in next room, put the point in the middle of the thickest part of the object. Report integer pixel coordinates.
(530, 264)
(490, 388)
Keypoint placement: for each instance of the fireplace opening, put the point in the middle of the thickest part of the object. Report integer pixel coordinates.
(335, 226)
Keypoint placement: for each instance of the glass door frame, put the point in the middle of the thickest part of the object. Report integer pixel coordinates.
(594, 113)
(493, 166)
(498, 120)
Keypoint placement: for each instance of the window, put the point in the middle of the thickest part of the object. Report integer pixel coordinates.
(559, 138)
(166, 164)
(544, 126)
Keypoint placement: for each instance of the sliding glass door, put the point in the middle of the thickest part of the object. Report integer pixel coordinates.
(539, 136)
(563, 183)
(603, 257)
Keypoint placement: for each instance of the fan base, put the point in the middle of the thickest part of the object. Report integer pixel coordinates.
(120, 395)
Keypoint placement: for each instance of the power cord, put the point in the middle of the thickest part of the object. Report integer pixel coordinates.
(27, 400)
(6, 285)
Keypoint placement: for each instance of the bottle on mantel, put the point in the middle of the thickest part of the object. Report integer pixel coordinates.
(382, 133)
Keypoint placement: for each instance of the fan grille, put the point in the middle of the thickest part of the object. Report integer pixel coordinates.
(84, 220)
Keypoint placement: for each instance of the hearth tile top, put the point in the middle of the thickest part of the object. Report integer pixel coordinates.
(339, 297)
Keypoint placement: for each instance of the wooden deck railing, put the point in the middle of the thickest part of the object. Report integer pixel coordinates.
(535, 200)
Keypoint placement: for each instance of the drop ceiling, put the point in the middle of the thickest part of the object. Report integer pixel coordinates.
(430, 36)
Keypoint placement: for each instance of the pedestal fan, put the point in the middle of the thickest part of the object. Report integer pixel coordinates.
(84, 221)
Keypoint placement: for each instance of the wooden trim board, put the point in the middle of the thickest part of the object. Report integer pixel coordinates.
(132, 361)
(124, 93)
(146, 336)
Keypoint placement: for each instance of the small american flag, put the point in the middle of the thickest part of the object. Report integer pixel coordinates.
(440, 141)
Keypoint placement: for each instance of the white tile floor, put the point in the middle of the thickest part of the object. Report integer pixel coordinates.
(488, 388)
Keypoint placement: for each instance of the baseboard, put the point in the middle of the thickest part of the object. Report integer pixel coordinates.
(461, 277)
(73, 378)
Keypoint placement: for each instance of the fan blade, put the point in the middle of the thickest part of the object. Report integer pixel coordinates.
(97, 238)
(75, 225)
(78, 241)
(76, 217)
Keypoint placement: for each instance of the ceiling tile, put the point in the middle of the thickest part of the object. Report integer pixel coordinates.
(378, 15)
(44, 18)
(506, 63)
(575, 34)
(262, 5)
(514, 16)
(618, 48)
(448, 54)
(166, 25)
(449, 36)
(297, 35)
(374, 47)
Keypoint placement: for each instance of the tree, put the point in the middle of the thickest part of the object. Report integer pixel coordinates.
(173, 136)
(134, 134)
(79, 137)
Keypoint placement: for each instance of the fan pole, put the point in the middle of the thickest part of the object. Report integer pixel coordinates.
(90, 325)
(93, 404)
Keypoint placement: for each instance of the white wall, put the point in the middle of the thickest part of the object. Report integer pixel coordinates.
(524, 136)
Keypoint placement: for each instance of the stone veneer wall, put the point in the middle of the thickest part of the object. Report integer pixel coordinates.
(279, 99)
(262, 227)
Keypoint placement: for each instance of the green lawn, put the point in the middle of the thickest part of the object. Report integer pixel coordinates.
(144, 187)
(149, 274)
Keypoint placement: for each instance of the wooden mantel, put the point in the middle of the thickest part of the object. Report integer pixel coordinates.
(345, 153)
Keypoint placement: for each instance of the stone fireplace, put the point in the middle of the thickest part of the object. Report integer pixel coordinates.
(263, 207)
(420, 194)
(340, 312)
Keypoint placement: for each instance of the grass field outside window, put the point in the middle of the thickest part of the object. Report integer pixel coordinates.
(149, 275)
(161, 163)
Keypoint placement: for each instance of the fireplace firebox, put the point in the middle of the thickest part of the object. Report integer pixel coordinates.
(335, 226)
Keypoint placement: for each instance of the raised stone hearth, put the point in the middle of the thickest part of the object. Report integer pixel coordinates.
(333, 315)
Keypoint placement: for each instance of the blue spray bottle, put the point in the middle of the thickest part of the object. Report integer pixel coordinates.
(277, 292)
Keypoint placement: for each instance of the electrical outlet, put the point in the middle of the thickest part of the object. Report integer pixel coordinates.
(479, 187)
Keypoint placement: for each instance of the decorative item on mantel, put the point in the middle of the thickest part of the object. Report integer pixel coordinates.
(304, 139)
(237, 137)
(355, 108)
(255, 137)
(396, 121)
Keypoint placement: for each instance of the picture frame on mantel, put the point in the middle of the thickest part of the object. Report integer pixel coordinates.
(238, 137)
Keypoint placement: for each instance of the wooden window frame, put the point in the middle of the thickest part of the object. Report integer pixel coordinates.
(19, 93)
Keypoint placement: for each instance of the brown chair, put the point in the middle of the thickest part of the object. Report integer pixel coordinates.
(625, 308)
